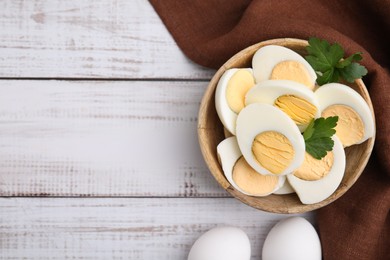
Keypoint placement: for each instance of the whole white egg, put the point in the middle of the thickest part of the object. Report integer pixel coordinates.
(267, 58)
(221, 243)
(258, 118)
(310, 192)
(293, 238)
(233, 84)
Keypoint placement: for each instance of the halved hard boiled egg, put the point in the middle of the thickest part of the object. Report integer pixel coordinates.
(269, 140)
(356, 122)
(240, 175)
(315, 180)
(277, 62)
(230, 95)
(293, 98)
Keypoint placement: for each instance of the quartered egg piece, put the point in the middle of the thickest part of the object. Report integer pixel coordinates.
(240, 175)
(230, 95)
(285, 189)
(281, 63)
(293, 98)
(292, 238)
(356, 122)
(269, 140)
(221, 243)
(320, 188)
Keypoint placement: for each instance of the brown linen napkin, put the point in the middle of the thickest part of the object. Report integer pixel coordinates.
(356, 226)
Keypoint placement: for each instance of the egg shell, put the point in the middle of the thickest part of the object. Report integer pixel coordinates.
(292, 238)
(266, 92)
(228, 154)
(267, 57)
(340, 94)
(221, 243)
(225, 114)
(310, 192)
(257, 118)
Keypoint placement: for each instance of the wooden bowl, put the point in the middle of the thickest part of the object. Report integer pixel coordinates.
(211, 133)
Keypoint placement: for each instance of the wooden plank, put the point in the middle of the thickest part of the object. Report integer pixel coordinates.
(84, 39)
(147, 229)
(102, 138)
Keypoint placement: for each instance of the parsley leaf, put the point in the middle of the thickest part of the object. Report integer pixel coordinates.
(318, 135)
(353, 71)
(327, 60)
(346, 62)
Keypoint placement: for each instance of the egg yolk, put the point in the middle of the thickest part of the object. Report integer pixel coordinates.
(238, 85)
(298, 109)
(273, 151)
(251, 181)
(292, 70)
(312, 169)
(350, 127)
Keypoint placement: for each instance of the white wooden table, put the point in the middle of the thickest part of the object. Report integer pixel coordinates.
(99, 157)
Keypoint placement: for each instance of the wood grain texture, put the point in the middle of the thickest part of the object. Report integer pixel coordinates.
(137, 228)
(102, 138)
(84, 39)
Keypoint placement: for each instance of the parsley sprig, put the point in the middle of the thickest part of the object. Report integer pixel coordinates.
(318, 136)
(327, 60)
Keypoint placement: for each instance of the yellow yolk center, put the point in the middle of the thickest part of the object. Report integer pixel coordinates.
(298, 109)
(237, 87)
(292, 70)
(350, 127)
(251, 181)
(312, 169)
(273, 151)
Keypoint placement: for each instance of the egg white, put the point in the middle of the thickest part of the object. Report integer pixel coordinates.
(227, 116)
(285, 189)
(340, 94)
(266, 58)
(257, 118)
(310, 192)
(268, 91)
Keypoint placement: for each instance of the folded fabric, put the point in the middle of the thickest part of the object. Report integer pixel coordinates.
(356, 226)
